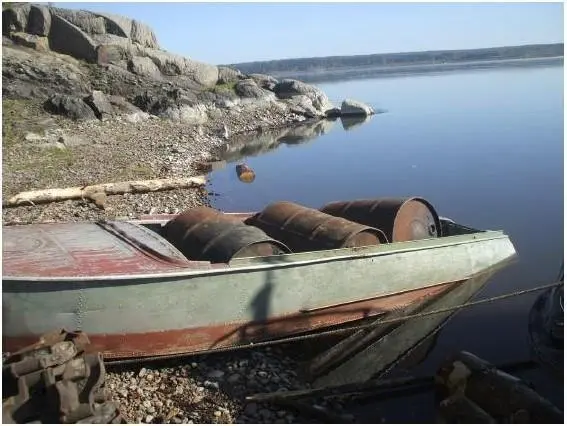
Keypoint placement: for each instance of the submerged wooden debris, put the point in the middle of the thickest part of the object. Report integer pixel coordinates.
(472, 391)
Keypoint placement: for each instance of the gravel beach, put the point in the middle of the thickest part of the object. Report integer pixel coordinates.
(200, 389)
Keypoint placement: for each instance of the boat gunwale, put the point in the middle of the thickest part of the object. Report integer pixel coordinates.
(251, 264)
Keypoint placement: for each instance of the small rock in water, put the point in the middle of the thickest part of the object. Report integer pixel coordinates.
(142, 372)
(217, 413)
(149, 418)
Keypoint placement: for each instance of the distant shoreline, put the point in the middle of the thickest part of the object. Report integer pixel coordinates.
(414, 69)
(327, 68)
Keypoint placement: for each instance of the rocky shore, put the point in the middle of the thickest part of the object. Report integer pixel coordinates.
(209, 389)
(92, 98)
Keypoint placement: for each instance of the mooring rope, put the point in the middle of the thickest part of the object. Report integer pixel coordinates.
(294, 339)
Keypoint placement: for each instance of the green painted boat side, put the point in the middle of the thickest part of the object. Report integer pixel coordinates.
(252, 290)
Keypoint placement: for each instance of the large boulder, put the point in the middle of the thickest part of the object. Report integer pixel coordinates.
(144, 66)
(249, 89)
(174, 65)
(29, 74)
(264, 81)
(302, 105)
(32, 41)
(88, 22)
(100, 25)
(130, 28)
(229, 75)
(288, 88)
(69, 106)
(153, 103)
(15, 18)
(39, 21)
(100, 104)
(352, 107)
(67, 38)
(78, 32)
(116, 50)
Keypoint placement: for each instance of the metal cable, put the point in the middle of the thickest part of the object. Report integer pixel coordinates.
(336, 331)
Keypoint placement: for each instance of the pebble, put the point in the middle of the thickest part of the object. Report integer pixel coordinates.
(216, 374)
(211, 385)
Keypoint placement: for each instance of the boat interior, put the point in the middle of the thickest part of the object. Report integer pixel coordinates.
(206, 234)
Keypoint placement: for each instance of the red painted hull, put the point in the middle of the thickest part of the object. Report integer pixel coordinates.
(219, 336)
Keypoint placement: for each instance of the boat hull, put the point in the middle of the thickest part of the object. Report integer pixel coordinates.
(389, 348)
(250, 300)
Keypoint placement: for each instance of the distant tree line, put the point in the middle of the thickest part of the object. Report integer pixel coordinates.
(396, 59)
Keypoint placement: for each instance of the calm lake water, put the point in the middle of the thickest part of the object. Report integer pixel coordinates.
(484, 147)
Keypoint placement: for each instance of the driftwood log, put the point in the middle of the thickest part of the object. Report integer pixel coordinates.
(488, 392)
(97, 192)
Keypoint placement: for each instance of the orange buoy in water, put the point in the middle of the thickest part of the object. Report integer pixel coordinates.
(245, 174)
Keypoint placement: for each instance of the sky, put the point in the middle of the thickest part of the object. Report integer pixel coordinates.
(225, 33)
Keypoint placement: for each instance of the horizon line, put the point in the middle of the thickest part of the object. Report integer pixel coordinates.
(394, 53)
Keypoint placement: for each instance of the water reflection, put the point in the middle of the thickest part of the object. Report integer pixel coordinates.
(352, 122)
(243, 146)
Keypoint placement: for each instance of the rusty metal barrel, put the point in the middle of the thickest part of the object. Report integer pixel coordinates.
(401, 219)
(305, 229)
(245, 173)
(207, 234)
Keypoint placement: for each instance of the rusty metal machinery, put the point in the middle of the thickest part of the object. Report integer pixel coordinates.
(55, 381)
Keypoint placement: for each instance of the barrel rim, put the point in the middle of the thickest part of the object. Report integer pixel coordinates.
(402, 200)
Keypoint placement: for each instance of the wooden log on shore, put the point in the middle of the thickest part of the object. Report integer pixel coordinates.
(95, 192)
(505, 398)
